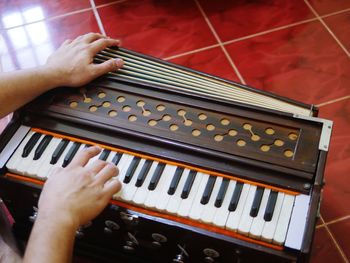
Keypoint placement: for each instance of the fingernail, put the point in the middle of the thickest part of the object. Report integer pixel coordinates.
(119, 62)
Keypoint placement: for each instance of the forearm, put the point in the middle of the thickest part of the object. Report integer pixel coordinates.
(18, 88)
(51, 240)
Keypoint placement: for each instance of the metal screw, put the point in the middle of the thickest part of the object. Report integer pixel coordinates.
(307, 186)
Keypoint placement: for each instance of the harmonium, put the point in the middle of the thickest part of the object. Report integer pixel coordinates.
(212, 170)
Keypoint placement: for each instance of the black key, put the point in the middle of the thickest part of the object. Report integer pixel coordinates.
(175, 180)
(59, 150)
(257, 201)
(131, 170)
(222, 192)
(30, 144)
(208, 189)
(156, 176)
(270, 207)
(188, 184)
(117, 158)
(104, 155)
(72, 151)
(235, 197)
(87, 146)
(42, 146)
(144, 171)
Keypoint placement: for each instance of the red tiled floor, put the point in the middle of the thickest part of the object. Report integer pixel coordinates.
(340, 26)
(341, 232)
(234, 19)
(324, 249)
(336, 195)
(302, 62)
(212, 61)
(30, 45)
(323, 7)
(19, 12)
(157, 28)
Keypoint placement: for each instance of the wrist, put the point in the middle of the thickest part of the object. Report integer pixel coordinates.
(58, 219)
(51, 76)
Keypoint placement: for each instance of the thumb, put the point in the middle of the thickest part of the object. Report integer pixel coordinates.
(109, 65)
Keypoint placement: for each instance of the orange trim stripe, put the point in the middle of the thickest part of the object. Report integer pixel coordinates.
(166, 216)
(165, 161)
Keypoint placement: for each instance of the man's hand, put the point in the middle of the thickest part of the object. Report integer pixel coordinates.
(76, 194)
(72, 63)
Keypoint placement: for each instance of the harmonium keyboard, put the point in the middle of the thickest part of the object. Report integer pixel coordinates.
(212, 170)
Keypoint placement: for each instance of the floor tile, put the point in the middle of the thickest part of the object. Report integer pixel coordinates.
(323, 7)
(302, 62)
(336, 194)
(324, 250)
(19, 12)
(30, 45)
(157, 28)
(212, 61)
(340, 26)
(341, 232)
(234, 19)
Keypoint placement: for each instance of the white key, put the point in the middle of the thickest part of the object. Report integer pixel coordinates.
(45, 159)
(163, 194)
(259, 222)
(270, 227)
(155, 196)
(186, 204)
(246, 219)
(130, 188)
(283, 220)
(142, 191)
(209, 211)
(17, 156)
(197, 207)
(123, 166)
(222, 213)
(235, 216)
(26, 162)
(175, 200)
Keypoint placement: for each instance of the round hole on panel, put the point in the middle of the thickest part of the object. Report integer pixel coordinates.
(232, 132)
(202, 116)
(247, 126)
(241, 143)
(87, 100)
(173, 127)
(121, 99)
(146, 113)
(292, 136)
(188, 122)
(93, 108)
(166, 117)
(288, 153)
(196, 132)
(181, 112)
(140, 103)
(73, 104)
(265, 148)
(126, 108)
(101, 95)
(112, 113)
(132, 118)
(269, 131)
(160, 107)
(152, 122)
(106, 104)
(255, 137)
(218, 137)
(278, 142)
(210, 127)
(225, 121)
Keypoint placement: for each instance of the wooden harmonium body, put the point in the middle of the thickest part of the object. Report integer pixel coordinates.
(212, 171)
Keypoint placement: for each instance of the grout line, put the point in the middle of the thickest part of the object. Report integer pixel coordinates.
(336, 13)
(220, 43)
(98, 18)
(337, 220)
(111, 3)
(333, 101)
(327, 28)
(192, 52)
(340, 250)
